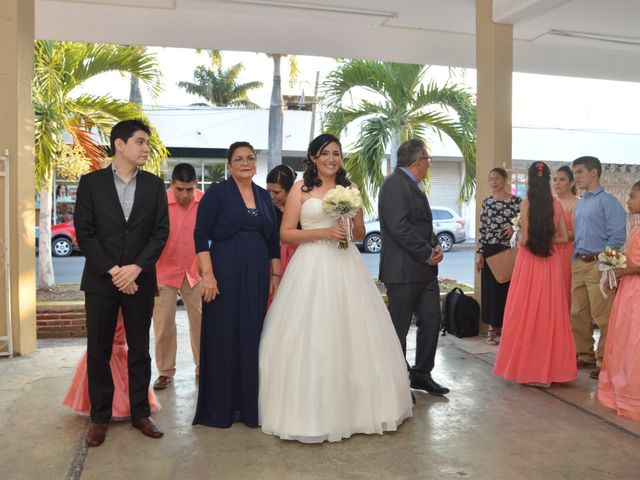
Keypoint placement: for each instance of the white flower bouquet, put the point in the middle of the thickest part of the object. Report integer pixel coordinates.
(608, 260)
(343, 203)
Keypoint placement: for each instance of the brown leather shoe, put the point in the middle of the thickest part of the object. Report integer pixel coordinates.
(595, 374)
(148, 427)
(162, 382)
(96, 434)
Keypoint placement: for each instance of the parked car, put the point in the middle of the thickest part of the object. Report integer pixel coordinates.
(447, 224)
(63, 239)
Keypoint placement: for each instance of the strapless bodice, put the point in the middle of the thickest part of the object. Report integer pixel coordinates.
(313, 215)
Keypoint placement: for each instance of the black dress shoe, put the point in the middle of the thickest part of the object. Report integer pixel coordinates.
(429, 385)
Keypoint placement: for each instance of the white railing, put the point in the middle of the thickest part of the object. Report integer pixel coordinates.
(6, 342)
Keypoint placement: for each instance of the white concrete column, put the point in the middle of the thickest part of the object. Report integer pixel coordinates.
(494, 61)
(16, 136)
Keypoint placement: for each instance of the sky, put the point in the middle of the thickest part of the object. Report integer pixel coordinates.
(538, 100)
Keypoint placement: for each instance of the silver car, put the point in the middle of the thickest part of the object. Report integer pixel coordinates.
(447, 224)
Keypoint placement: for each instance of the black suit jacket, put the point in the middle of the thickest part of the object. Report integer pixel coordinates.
(106, 239)
(406, 225)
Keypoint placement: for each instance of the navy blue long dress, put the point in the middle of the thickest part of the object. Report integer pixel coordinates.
(242, 243)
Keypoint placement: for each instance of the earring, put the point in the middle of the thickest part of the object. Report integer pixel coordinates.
(315, 169)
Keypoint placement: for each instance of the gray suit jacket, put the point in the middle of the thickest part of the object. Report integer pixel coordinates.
(406, 225)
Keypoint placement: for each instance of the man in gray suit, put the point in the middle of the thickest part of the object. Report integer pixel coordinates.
(409, 260)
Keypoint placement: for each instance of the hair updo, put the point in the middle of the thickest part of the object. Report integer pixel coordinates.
(567, 171)
(282, 175)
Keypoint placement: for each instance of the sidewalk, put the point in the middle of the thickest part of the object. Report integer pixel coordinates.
(485, 428)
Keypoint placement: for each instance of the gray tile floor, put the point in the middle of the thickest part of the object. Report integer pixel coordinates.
(485, 428)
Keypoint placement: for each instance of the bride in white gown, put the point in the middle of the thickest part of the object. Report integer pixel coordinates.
(331, 364)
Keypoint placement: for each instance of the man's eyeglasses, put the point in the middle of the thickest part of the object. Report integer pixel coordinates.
(425, 157)
(248, 160)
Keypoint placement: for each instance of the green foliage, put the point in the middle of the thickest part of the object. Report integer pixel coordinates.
(220, 87)
(397, 104)
(60, 68)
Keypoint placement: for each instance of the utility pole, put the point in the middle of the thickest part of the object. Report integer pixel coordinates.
(313, 108)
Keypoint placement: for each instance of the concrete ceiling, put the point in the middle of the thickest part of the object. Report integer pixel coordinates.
(586, 38)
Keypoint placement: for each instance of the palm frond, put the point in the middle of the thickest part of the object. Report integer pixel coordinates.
(220, 87)
(398, 101)
(85, 61)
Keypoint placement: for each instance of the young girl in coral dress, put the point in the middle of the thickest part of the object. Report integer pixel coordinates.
(77, 397)
(565, 190)
(537, 344)
(619, 381)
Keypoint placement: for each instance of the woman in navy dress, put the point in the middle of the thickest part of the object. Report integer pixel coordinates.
(238, 251)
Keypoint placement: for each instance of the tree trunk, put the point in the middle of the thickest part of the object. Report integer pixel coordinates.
(47, 279)
(135, 95)
(276, 116)
(393, 157)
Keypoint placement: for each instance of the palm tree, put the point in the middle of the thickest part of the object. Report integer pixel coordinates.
(61, 67)
(220, 87)
(397, 105)
(276, 114)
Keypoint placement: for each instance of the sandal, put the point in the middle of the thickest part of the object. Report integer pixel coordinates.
(491, 338)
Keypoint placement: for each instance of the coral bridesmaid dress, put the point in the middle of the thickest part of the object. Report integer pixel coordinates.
(565, 251)
(537, 343)
(77, 397)
(619, 382)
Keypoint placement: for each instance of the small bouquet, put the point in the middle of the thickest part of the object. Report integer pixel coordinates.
(608, 260)
(343, 203)
(515, 224)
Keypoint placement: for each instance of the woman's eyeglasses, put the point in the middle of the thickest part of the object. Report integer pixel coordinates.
(240, 160)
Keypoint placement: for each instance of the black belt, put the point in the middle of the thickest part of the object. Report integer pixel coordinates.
(588, 258)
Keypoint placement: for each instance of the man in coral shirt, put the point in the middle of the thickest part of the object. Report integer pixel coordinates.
(177, 271)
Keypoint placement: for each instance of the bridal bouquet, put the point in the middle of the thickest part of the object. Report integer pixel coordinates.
(515, 224)
(608, 260)
(343, 203)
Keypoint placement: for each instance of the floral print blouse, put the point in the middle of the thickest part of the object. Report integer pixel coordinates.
(495, 217)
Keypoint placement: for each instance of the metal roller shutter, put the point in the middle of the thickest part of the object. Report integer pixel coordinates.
(444, 187)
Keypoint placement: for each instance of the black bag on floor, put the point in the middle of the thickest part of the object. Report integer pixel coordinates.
(460, 314)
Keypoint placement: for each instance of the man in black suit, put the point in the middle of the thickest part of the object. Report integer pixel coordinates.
(122, 223)
(409, 260)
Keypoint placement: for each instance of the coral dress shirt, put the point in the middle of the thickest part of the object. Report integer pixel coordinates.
(179, 255)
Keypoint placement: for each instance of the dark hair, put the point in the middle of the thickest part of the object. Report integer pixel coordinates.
(236, 145)
(541, 227)
(567, 171)
(283, 175)
(590, 163)
(500, 171)
(124, 131)
(636, 186)
(310, 175)
(183, 172)
(410, 151)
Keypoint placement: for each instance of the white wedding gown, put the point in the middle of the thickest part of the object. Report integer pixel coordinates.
(331, 364)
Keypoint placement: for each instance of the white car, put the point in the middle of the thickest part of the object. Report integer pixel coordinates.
(447, 224)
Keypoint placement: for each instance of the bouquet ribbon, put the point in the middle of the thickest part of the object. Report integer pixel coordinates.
(608, 277)
(514, 238)
(346, 223)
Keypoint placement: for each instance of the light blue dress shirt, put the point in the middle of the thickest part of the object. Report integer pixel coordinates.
(600, 221)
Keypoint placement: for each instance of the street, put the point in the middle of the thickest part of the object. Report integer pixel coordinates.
(66, 269)
(457, 265)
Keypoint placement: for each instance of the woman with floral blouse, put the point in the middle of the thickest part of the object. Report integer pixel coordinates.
(495, 232)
